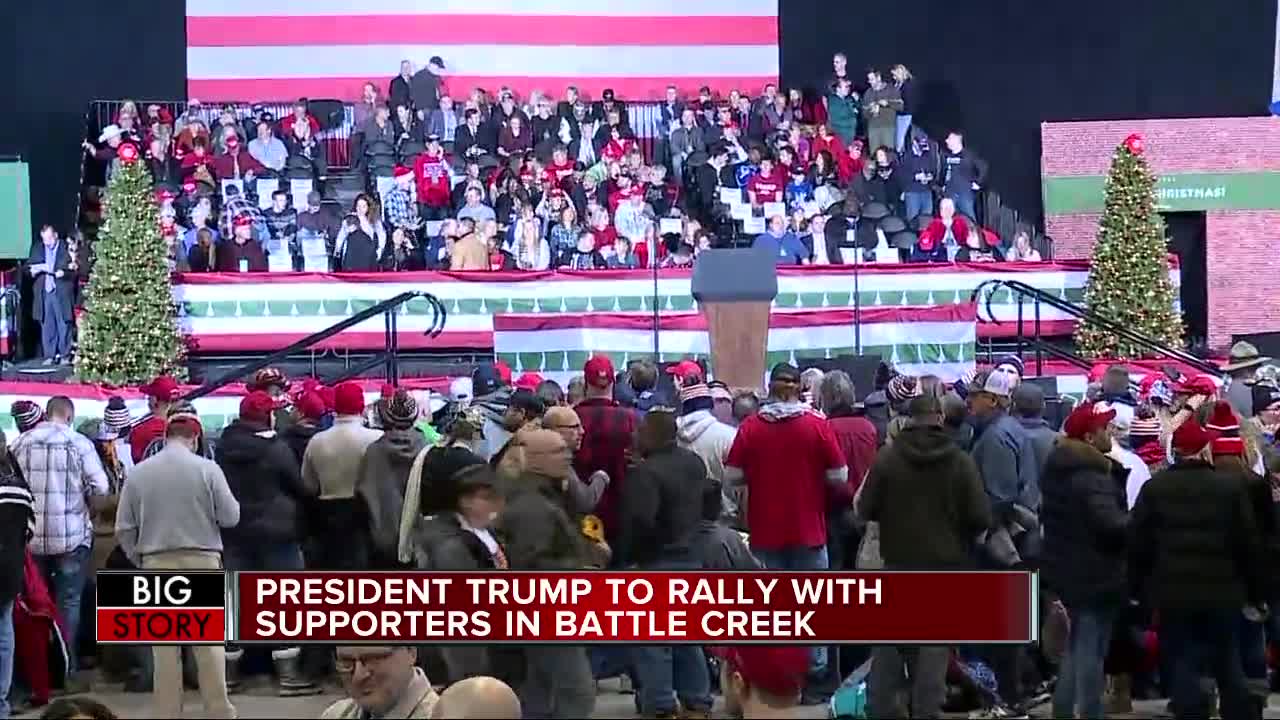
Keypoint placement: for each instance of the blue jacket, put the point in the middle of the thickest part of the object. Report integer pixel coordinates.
(1007, 461)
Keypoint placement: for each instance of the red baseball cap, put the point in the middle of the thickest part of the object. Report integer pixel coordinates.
(163, 388)
(1087, 418)
(685, 369)
(242, 220)
(776, 669)
(310, 405)
(1197, 385)
(256, 407)
(598, 371)
(528, 381)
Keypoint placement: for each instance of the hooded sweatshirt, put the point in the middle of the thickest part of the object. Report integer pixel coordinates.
(710, 440)
(926, 494)
(264, 478)
(380, 483)
(787, 456)
(493, 406)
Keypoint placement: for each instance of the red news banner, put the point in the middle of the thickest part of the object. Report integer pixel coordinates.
(636, 607)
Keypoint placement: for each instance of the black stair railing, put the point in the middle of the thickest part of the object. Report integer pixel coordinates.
(982, 295)
(389, 357)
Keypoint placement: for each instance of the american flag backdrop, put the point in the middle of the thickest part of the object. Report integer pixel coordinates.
(279, 49)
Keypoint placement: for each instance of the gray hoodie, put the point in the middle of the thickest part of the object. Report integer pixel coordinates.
(710, 440)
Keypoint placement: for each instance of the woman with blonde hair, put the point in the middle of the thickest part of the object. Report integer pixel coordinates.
(903, 80)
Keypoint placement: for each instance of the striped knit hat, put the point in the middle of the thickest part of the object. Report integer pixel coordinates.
(902, 388)
(1226, 428)
(116, 416)
(1148, 427)
(26, 414)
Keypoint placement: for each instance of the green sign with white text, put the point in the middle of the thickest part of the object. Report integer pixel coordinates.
(1174, 193)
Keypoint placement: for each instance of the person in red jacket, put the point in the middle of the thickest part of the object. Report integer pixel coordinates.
(300, 114)
(431, 172)
(236, 163)
(197, 165)
(161, 393)
(948, 229)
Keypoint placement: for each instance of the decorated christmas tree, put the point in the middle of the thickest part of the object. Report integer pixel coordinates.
(1129, 279)
(128, 333)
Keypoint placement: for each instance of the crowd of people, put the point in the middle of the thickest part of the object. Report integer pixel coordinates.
(1150, 513)
(493, 183)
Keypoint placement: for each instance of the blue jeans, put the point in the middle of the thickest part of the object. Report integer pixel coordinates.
(966, 203)
(277, 557)
(65, 574)
(915, 203)
(1200, 641)
(1080, 677)
(670, 671)
(805, 559)
(6, 656)
(904, 124)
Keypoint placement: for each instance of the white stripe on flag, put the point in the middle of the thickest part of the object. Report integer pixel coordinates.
(377, 61)
(646, 8)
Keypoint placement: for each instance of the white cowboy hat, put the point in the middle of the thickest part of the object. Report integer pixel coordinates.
(109, 132)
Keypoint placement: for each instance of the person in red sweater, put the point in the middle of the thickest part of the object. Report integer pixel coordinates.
(607, 432)
(601, 230)
(197, 165)
(852, 162)
(788, 458)
(560, 169)
(827, 140)
(431, 174)
(300, 114)
(620, 144)
(858, 442)
(161, 393)
(626, 189)
(765, 186)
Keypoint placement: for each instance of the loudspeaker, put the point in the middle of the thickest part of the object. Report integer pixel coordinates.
(860, 368)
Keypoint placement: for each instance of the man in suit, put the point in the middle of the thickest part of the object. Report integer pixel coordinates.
(444, 121)
(53, 287)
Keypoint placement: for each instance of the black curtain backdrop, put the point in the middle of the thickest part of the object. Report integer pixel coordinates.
(67, 53)
(996, 69)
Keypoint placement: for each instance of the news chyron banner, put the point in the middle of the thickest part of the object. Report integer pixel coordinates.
(162, 607)
(588, 607)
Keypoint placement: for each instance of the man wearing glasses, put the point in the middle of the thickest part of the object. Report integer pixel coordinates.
(382, 681)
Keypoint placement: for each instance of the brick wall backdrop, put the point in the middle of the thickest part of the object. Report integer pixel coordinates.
(1241, 244)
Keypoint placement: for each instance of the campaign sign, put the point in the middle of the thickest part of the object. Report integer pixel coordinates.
(162, 607)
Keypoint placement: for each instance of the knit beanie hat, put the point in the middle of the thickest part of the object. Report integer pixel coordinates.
(1190, 438)
(399, 412)
(116, 416)
(26, 414)
(695, 395)
(1226, 428)
(438, 468)
(1143, 428)
(902, 388)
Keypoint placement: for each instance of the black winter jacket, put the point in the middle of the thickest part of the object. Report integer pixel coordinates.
(662, 508)
(16, 516)
(1194, 541)
(1084, 515)
(266, 479)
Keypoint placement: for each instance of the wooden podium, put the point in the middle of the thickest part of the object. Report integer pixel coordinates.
(735, 289)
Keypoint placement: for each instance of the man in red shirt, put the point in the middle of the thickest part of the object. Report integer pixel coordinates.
(607, 432)
(161, 394)
(766, 185)
(788, 458)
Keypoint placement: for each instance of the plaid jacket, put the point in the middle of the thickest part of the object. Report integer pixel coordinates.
(62, 470)
(400, 210)
(607, 432)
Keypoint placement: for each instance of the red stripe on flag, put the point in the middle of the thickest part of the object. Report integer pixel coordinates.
(533, 322)
(447, 30)
(350, 340)
(349, 88)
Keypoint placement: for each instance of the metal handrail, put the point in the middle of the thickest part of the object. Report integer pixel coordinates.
(1040, 296)
(387, 307)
